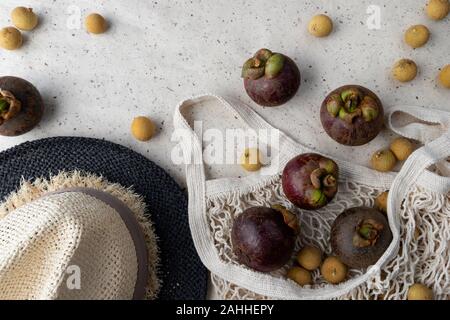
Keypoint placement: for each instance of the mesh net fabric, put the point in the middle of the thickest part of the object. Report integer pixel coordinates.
(424, 254)
(33, 190)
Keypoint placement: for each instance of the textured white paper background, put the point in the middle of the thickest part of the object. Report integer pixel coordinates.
(159, 52)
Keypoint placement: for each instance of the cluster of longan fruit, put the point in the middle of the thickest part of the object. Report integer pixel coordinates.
(25, 19)
(417, 36)
(309, 259)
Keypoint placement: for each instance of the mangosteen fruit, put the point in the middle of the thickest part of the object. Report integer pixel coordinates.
(21, 106)
(310, 181)
(352, 115)
(360, 236)
(263, 238)
(270, 79)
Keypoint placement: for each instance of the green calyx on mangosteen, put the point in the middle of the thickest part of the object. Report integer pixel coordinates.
(352, 115)
(360, 236)
(21, 106)
(9, 106)
(264, 238)
(310, 181)
(270, 79)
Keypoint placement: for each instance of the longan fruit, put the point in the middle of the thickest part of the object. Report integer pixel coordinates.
(143, 128)
(24, 18)
(401, 148)
(333, 270)
(310, 258)
(404, 70)
(95, 23)
(381, 202)
(383, 160)
(10, 38)
(419, 291)
(300, 275)
(438, 9)
(444, 76)
(320, 25)
(416, 36)
(251, 159)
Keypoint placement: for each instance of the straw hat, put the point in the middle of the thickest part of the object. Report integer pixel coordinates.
(74, 244)
(89, 219)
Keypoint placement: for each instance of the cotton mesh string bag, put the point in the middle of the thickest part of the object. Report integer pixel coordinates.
(215, 203)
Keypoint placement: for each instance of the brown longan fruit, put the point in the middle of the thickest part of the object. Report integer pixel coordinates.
(383, 160)
(444, 76)
(333, 270)
(310, 258)
(143, 128)
(401, 148)
(10, 38)
(320, 25)
(24, 18)
(419, 291)
(437, 9)
(300, 275)
(416, 36)
(95, 23)
(404, 70)
(251, 159)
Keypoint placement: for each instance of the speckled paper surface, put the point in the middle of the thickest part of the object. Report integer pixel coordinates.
(159, 52)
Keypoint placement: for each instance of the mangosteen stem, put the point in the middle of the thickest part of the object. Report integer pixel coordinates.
(367, 233)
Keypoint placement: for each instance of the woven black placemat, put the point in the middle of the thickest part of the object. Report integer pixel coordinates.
(184, 276)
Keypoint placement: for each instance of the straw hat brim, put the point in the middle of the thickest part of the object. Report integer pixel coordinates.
(182, 274)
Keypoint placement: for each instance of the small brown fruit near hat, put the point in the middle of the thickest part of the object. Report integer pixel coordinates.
(251, 159)
(24, 18)
(95, 23)
(404, 70)
(310, 258)
(383, 160)
(333, 270)
(419, 291)
(143, 128)
(444, 76)
(10, 38)
(402, 148)
(320, 26)
(417, 35)
(300, 276)
(381, 202)
(437, 9)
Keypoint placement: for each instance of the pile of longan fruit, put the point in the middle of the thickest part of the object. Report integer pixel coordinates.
(25, 19)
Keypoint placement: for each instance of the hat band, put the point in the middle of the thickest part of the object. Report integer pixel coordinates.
(134, 229)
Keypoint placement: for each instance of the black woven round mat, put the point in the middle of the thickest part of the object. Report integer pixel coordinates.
(184, 276)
